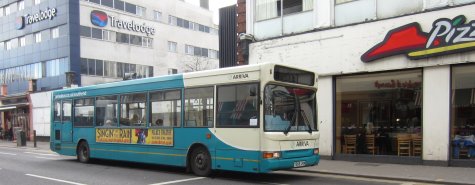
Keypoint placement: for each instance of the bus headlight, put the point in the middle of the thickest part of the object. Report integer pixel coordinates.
(316, 151)
(271, 155)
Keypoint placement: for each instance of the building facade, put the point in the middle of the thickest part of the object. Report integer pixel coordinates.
(53, 44)
(396, 78)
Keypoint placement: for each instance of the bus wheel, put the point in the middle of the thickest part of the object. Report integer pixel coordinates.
(83, 152)
(200, 162)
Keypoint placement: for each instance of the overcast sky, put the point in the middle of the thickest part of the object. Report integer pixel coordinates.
(214, 6)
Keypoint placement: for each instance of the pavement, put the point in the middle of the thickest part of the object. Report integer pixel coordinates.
(414, 173)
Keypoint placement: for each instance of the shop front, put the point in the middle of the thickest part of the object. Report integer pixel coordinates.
(15, 113)
(463, 115)
(379, 114)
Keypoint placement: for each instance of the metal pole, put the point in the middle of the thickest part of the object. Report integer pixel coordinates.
(34, 138)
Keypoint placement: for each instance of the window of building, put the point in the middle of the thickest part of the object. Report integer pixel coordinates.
(172, 71)
(342, 1)
(99, 68)
(8, 45)
(91, 67)
(22, 41)
(85, 31)
(213, 54)
(172, 20)
(37, 37)
(106, 111)
(95, 1)
(84, 112)
(108, 35)
(108, 3)
(140, 11)
(122, 38)
(96, 33)
(84, 68)
(119, 5)
(133, 110)
(199, 103)
(2, 46)
(136, 40)
(55, 32)
(2, 11)
(237, 106)
(463, 111)
(7, 10)
(21, 5)
(189, 49)
(165, 108)
(131, 8)
(382, 107)
(147, 42)
(36, 2)
(272, 9)
(204, 52)
(55, 67)
(172, 46)
(157, 15)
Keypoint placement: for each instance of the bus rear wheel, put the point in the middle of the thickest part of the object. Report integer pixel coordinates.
(83, 152)
(200, 162)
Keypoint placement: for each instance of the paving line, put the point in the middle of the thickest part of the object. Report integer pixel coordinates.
(41, 154)
(177, 181)
(7, 153)
(46, 158)
(53, 179)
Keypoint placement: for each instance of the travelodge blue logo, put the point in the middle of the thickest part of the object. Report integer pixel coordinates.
(98, 18)
(20, 23)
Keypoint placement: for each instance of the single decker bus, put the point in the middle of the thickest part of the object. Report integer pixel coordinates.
(255, 118)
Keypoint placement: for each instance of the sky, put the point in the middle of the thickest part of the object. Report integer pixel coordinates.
(214, 6)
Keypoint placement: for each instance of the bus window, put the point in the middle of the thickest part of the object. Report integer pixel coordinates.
(199, 107)
(67, 106)
(133, 110)
(84, 112)
(57, 111)
(237, 106)
(106, 111)
(165, 108)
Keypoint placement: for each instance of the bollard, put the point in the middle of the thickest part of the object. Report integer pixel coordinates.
(34, 138)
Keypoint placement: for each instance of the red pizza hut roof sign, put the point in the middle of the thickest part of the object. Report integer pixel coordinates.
(446, 37)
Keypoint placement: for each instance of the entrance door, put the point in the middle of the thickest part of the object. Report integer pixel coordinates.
(66, 124)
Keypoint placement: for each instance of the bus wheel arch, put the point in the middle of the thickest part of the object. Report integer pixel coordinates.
(83, 151)
(199, 160)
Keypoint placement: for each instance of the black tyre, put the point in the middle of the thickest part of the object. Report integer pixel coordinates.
(200, 162)
(83, 152)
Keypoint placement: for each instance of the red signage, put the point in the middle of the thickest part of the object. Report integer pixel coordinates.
(447, 36)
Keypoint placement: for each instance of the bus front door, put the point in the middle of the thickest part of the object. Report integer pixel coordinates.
(66, 124)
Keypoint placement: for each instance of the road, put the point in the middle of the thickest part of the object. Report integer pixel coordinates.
(38, 167)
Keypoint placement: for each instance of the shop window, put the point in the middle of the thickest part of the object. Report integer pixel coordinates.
(84, 112)
(382, 110)
(463, 112)
(199, 105)
(165, 108)
(237, 106)
(133, 110)
(106, 111)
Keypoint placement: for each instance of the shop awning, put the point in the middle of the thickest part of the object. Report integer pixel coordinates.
(13, 106)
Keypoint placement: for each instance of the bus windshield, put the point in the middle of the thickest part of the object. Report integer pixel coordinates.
(289, 109)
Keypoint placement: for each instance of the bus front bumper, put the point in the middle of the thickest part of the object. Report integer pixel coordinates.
(281, 164)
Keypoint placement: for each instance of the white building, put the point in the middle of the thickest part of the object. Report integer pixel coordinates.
(391, 95)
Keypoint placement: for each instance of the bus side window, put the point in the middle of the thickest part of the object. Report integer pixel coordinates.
(84, 112)
(237, 105)
(165, 108)
(199, 107)
(106, 111)
(57, 110)
(67, 108)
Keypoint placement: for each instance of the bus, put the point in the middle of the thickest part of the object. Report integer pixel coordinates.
(255, 118)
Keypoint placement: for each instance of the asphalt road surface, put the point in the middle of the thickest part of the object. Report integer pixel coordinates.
(42, 167)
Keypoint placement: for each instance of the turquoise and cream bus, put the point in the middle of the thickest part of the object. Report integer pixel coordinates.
(255, 118)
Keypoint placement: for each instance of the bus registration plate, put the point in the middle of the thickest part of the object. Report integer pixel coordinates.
(299, 163)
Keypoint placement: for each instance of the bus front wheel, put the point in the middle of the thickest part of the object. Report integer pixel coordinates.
(200, 162)
(83, 152)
